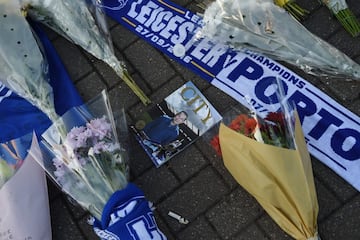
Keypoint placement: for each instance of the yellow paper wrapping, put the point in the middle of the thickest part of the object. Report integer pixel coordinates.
(280, 179)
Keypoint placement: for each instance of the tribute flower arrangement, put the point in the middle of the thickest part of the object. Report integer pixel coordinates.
(270, 130)
(88, 163)
(265, 151)
(24, 68)
(83, 23)
(261, 27)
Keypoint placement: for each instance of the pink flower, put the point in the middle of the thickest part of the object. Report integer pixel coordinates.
(99, 127)
(77, 137)
(99, 147)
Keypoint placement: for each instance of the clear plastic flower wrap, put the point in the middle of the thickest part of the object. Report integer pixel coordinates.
(24, 68)
(263, 27)
(274, 127)
(267, 155)
(88, 163)
(83, 23)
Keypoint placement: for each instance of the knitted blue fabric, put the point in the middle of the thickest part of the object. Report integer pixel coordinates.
(127, 216)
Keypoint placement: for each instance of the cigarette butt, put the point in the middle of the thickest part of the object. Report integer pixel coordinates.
(178, 217)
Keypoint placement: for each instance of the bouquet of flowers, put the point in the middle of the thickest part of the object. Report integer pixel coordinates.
(293, 8)
(271, 130)
(88, 163)
(267, 155)
(83, 23)
(344, 15)
(24, 67)
(263, 27)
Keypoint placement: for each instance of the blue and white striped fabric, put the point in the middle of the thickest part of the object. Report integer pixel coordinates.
(127, 215)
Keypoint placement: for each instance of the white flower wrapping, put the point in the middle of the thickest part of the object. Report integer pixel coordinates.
(335, 5)
(24, 68)
(83, 23)
(88, 163)
(263, 27)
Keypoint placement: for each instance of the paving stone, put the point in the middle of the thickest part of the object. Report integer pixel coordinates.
(90, 86)
(163, 226)
(326, 200)
(344, 224)
(53, 190)
(272, 230)
(149, 63)
(309, 5)
(219, 99)
(157, 183)
(354, 6)
(252, 232)
(199, 229)
(87, 229)
(194, 197)
(63, 226)
(76, 210)
(216, 161)
(352, 89)
(123, 97)
(139, 161)
(122, 37)
(234, 213)
(107, 73)
(322, 15)
(331, 180)
(187, 163)
(110, 22)
(74, 61)
(343, 41)
(355, 106)
(189, 75)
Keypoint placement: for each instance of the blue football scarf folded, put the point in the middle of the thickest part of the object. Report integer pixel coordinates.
(18, 117)
(127, 215)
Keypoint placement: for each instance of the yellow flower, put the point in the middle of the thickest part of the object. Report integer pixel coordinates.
(293, 8)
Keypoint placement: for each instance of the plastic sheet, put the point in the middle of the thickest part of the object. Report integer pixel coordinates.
(263, 27)
(85, 158)
(24, 68)
(84, 24)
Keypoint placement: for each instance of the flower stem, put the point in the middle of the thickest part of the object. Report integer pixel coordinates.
(349, 21)
(131, 83)
(293, 8)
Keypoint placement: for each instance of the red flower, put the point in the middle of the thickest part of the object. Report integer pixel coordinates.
(276, 117)
(215, 143)
(273, 129)
(250, 126)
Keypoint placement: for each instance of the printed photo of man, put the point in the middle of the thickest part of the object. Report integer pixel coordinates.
(162, 130)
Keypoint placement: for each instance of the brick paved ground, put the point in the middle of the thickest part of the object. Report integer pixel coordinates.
(195, 183)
